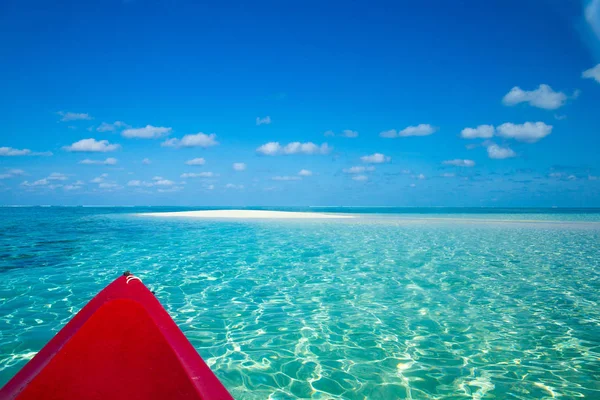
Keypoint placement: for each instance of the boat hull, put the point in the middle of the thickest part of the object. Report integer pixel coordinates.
(121, 345)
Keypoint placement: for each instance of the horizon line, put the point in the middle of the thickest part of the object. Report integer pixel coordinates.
(296, 206)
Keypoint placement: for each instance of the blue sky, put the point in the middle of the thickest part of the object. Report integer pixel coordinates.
(316, 103)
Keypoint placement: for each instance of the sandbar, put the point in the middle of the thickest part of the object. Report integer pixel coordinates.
(250, 214)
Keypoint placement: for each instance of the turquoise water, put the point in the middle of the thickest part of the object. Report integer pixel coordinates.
(423, 304)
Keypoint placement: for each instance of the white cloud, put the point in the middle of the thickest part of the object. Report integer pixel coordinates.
(108, 185)
(47, 182)
(210, 187)
(419, 130)
(593, 178)
(71, 116)
(420, 176)
(263, 121)
(270, 149)
(482, 131)
(40, 182)
(232, 186)
(572, 178)
(555, 175)
(412, 185)
(360, 178)
(206, 174)
(239, 166)
(170, 189)
(376, 158)
(163, 182)
(136, 183)
(529, 132)
(197, 140)
(542, 97)
(92, 145)
(74, 186)
(156, 181)
(306, 148)
(358, 169)
(12, 152)
(9, 151)
(305, 172)
(107, 127)
(99, 179)
(390, 134)
(56, 176)
(286, 178)
(592, 73)
(196, 161)
(146, 161)
(108, 161)
(349, 133)
(274, 148)
(460, 163)
(11, 173)
(496, 152)
(147, 132)
(448, 175)
(592, 16)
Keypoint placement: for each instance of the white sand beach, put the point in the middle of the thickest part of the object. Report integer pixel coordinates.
(250, 214)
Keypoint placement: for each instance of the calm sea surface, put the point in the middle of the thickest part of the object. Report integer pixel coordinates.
(398, 303)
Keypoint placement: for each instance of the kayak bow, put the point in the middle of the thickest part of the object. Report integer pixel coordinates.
(122, 345)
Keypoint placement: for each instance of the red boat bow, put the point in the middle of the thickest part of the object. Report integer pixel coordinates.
(121, 345)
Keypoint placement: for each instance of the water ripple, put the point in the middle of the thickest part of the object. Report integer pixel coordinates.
(374, 308)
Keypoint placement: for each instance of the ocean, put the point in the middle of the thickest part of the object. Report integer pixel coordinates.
(399, 303)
